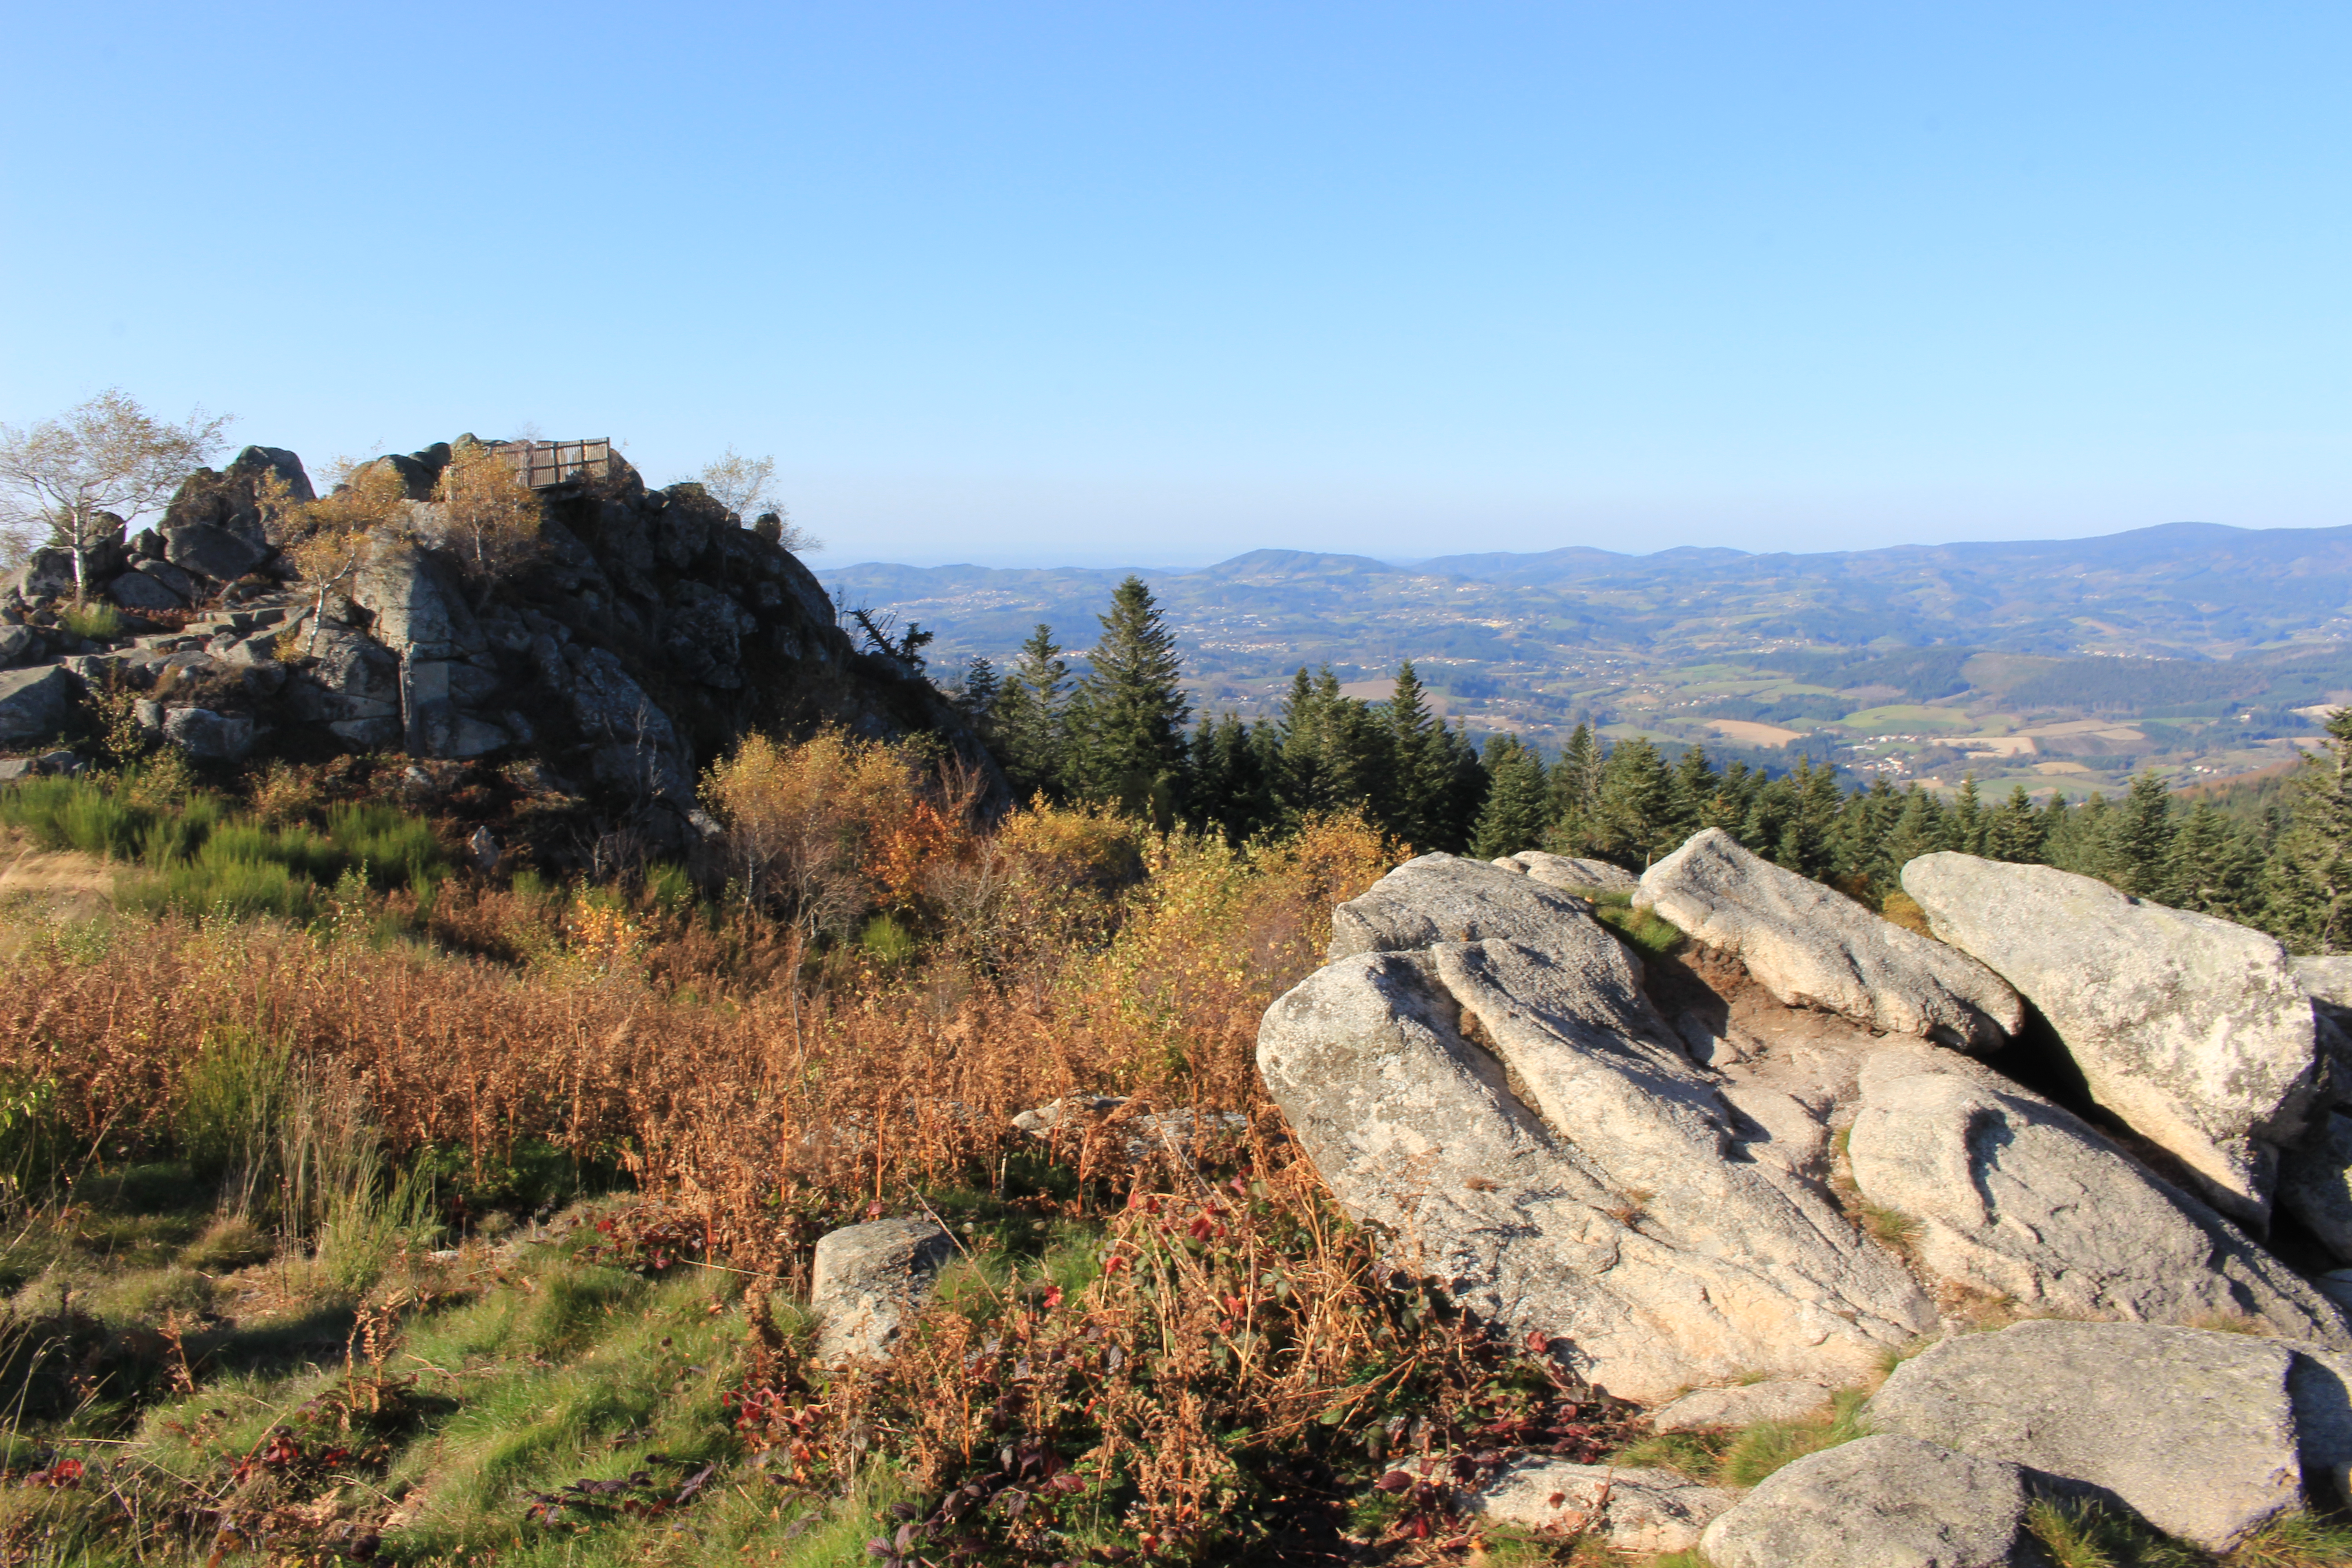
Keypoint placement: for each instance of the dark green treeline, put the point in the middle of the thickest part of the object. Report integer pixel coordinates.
(1119, 733)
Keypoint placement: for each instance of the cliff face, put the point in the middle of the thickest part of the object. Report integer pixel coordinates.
(646, 633)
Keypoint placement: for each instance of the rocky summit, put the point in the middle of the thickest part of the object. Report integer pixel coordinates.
(1801, 1144)
(641, 634)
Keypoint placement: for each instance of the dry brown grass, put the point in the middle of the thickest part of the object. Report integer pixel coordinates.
(714, 1060)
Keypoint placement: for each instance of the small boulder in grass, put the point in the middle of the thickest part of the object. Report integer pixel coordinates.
(1637, 1510)
(1879, 1502)
(869, 1281)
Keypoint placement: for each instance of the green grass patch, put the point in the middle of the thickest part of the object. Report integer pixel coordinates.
(204, 857)
(1653, 935)
(97, 622)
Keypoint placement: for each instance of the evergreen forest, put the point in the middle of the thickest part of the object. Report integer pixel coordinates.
(1117, 734)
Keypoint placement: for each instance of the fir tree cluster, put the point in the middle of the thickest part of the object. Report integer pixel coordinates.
(1119, 734)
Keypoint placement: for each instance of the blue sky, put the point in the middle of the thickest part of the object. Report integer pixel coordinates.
(1150, 283)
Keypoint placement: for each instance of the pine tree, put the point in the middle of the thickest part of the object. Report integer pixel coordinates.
(1965, 825)
(1231, 793)
(2213, 868)
(2143, 842)
(1031, 710)
(1697, 793)
(1134, 745)
(1808, 844)
(1465, 791)
(1417, 762)
(1636, 807)
(1513, 818)
(975, 695)
(2013, 830)
(1919, 830)
(2310, 875)
(1574, 809)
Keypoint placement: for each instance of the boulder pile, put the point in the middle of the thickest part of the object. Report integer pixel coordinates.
(1729, 1181)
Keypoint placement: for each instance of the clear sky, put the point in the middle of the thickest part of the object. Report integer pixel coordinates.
(1134, 282)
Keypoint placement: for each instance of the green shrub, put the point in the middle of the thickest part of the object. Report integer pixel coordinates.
(96, 621)
(398, 850)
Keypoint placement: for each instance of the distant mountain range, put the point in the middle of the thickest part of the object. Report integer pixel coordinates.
(1684, 642)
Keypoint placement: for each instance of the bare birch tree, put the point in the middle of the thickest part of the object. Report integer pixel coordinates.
(740, 484)
(104, 456)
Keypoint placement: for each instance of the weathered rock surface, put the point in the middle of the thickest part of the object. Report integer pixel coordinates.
(2016, 1197)
(138, 591)
(1516, 1118)
(1813, 946)
(868, 1282)
(1568, 872)
(2194, 1430)
(1635, 1510)
(214, 552)
(2327, 980)
(2193, 1030)
(2316, 1183)
(1879, 1502)
(35, 703)
(206, 735)
(1721, 1409)
(1443, 897)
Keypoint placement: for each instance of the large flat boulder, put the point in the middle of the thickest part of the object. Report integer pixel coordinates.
(37, 704)
(1886, 1501)
(1443, 897)
(2194, 1031)
(418, 601)
(1812, 946)
(2193, 1429)
(2013, 1196)
(1519, 1122)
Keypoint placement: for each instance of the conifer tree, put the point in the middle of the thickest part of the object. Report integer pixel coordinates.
(1133, 745)
(1418, 760)
(1637, 806)
(1465, 791)
(1231, 791)
(2310, 875)
(2013, 830)
(1031, 712)
(1574, 809)
(1697, 793)
(2213, 867)
(1965, 825)
(1919, 830)
(1513, 818)
(2143, 841)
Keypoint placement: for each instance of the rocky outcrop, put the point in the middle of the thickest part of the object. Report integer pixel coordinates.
(868, 1282)
(648, 633)
(1812, 946)
(1443, 897)
(1876, 1502)
(2194, 1031)
(1519, 1121)
(230, 500)
(2196, 1431)
(37, 704)
(1634, 1511)
(2014, 1198)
